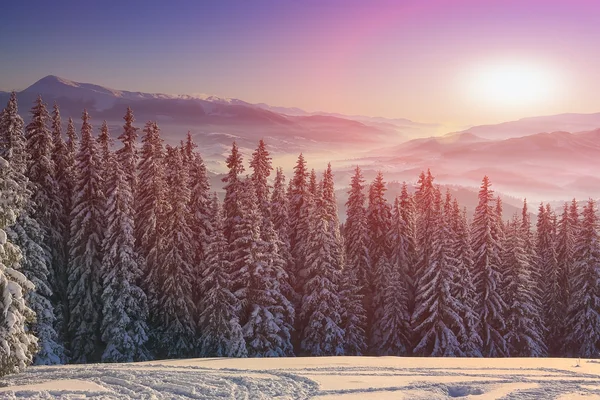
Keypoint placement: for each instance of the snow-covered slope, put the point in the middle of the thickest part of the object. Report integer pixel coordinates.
(324, 378)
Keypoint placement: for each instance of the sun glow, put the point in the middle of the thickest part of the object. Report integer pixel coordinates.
(512, 84)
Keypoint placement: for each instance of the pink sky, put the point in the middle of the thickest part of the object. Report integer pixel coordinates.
(421, 60)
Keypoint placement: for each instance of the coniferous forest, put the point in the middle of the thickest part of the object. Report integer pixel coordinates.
(114, 248)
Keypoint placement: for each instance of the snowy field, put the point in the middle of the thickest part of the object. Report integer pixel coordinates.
(326, 378)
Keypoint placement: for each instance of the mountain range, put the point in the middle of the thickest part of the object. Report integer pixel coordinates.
(548, 157)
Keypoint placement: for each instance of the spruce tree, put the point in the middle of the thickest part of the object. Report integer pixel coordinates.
(281, 224)
(260, 280)
(85, 251)
(466, 293)
(268, 330)
(487, 273)
(127, 155)
(12, 145)
(425, 225)
(38, 232)
(27, 234)
(321, 311)
(408, 240)
(46, 207)
(553, 309)
(221, 333)
(356, 269)
(105, 143)
(18, 343)
(379, 224)
(199, 209)
(565, 257)
(584, 311)
(437, 318)
(303, 205)
(150, 211)
(261, 167)
(356, 231)
(354, 317)
(530, 251)
(123, 328)
(63, 170)
(523, 337)
(175, 308)
(298, 196)
(394, 323)
(233, 183)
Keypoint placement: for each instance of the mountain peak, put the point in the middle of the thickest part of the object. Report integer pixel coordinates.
(53, 80)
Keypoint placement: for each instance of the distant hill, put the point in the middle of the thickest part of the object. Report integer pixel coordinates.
(570, 122)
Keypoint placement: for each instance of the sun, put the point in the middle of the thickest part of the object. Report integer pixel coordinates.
(512, 84)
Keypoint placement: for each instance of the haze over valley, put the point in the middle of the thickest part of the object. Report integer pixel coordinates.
(541, 158)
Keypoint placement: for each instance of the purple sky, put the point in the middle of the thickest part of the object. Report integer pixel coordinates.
(421, 60)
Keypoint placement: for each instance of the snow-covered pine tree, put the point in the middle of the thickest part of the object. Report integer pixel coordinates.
(356, 236)
(356, 269)
(321, 308)
(12, 145)
(85, 251)
(394, 324)
(409, 243)
(298, 195)
(570, 281)
(261, 167)
(123, 328)
(584, 311)
(353, 313)
(69, 183)
(378, 223)
(487, 273)
(65, 181)
(536, 274)
(200, 204)
(38, 232)
(425, 225)
(553, 308)
(259, 280)
(18, 343)
(313, 184)
(308, 202)
(46, 208)
(231, 204)
(437, 318)
(280, 207)
(565, 257)
(523, 338)
(391, 327)
(354, 316)
(175, 308)
(244, 244)
(127, 155)
(280, 218)
(466, 294)
(500, 211)
(221, 333)
(27, 234)
(151, 207)
(105, 143)
(268, 331)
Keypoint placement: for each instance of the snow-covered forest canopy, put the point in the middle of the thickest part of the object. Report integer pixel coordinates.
(119, 253)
